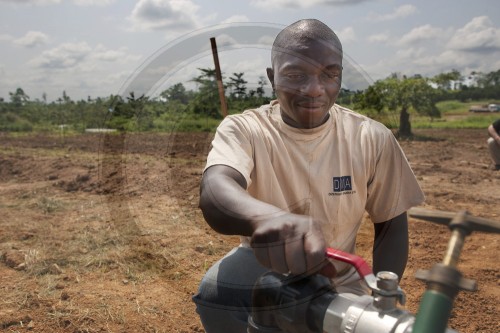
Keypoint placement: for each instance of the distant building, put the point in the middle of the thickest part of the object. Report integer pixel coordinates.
(466, 81)
(471, 80)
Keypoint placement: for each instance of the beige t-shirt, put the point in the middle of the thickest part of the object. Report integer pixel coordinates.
(333, 172)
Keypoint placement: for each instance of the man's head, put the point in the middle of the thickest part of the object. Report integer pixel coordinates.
(306, 72)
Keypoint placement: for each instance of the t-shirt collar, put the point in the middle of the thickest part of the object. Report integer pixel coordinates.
(303, 134)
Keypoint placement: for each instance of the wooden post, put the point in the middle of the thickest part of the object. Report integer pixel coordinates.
(218, 76)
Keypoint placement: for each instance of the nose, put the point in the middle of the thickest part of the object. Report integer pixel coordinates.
(313, 87)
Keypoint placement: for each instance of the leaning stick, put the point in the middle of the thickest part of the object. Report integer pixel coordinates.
(218, 76)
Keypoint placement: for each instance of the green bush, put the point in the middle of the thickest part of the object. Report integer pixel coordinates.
(11, 122)
(451, 106)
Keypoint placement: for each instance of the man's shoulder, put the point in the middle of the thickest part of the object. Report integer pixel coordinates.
(349, 114)
(248, 121)
(258, 112)
(253, 116)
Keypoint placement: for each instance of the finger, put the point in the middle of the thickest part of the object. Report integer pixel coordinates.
(314, 261)
(277, 257)
(328, 270)
(295, 255)
(262, 256)
(260, 251)
(314, 246)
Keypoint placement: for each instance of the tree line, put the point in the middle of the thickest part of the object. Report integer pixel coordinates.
(402, 95)
(176, 108)
(179, 108)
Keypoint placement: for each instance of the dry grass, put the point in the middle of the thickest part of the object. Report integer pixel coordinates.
(130, 259)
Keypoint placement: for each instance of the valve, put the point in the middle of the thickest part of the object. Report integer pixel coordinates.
(310, 304)
(379, 285)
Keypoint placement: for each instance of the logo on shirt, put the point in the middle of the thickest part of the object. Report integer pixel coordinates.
(342, 185)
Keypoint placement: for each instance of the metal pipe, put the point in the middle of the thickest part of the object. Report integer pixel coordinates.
(454, 249)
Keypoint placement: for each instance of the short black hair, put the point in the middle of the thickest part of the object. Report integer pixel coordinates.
(303, 32)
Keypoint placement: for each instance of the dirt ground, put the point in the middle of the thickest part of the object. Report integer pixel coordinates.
(102, 233)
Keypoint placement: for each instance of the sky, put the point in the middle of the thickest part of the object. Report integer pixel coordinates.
(98, 48)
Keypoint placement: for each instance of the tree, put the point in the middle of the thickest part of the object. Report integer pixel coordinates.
(491, 79)
(65, 98)
(443, 80)
(206, 101)
(370, 99)
(19, 98)
(121, 112)
(401, 95)
(139, 110)
(177, 92)
(238, 85)
(206, 79)
(260, 89)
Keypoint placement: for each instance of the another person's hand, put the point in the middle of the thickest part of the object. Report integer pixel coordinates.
(291, 243)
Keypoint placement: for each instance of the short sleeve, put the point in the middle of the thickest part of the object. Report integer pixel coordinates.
(496, 125)
(393, 187)
(232, 146)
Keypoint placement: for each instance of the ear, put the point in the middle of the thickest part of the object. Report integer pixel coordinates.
(270, 75)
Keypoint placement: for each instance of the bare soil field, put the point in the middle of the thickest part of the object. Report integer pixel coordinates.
(101, 233)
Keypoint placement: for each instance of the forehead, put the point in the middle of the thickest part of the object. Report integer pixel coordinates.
(310, 53)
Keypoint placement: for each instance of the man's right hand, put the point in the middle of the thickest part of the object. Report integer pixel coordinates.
(282, 241)
(290, 243)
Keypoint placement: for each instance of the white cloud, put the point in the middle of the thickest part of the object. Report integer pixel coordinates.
(452, 59)
(165, 14)
(93, 2)
(269, 5)
(464, 60)
(224, 40)
(422, 33)
(64, 56)
(6, 38)
(79, 68)
(420, 60)
(378, 38)
(71, 55)
(236, 19)
(429, 50)
(266, 40)
(32, 2)
(50, 2)
(478, 35)
(122, 55)
(275, 4)
(346, 35)
(398, 13)
(32, 39)
(410, 53)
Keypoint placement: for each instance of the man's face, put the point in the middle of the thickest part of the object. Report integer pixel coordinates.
(307, 81)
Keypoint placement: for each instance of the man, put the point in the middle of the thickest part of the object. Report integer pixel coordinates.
(494, 144)
(295, 177)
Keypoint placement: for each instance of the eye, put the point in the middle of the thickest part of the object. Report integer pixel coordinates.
(295, 76)
(331, 75)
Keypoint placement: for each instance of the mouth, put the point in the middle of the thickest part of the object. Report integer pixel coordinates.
(310, 106)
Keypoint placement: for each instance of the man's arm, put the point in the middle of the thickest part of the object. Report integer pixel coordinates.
(493, 133)
(282, 241)
(390, 247)
(226, 205)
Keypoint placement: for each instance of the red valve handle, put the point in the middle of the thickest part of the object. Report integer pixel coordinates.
(366, 273)
(361, 266)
